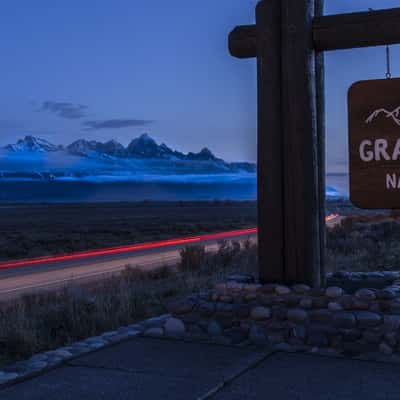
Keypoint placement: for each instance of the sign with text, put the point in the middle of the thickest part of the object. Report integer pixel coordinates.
(374, 143)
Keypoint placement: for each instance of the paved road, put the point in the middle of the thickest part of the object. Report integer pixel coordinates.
(161, 369)
(50, 275)
(21, 277)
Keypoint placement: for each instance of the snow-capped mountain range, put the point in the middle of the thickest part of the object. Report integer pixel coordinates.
(142, 159)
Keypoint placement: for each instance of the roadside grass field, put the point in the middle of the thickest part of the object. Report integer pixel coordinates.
(34, 230)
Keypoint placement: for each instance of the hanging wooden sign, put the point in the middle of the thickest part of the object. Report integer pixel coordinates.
(374, 143)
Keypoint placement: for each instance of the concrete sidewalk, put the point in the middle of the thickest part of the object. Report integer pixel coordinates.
(145, 368)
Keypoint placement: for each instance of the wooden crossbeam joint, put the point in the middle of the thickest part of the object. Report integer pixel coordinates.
(242, 41)
(332, 32)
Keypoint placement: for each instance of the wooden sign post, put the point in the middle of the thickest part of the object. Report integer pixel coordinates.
(374, 143)
(288, 40)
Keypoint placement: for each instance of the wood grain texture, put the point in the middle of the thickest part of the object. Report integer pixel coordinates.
(346, 31)
(321, 135)
(300, 146)
(332, 32)
(270, 142)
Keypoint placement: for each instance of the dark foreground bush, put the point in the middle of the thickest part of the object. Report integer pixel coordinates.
(364, 245)
(45, 321)
(192, 258)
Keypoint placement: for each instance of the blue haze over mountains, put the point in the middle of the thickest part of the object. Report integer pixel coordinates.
(33, 169)
(143, 158)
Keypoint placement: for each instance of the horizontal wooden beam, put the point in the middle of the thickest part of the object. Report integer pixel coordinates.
(332, 32)
(364, 29)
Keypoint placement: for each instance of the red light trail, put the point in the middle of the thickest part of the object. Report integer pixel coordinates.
(133, 247)
(126, 249)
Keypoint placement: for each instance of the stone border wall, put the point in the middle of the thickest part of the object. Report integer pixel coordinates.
(362, 322)
(365, 323)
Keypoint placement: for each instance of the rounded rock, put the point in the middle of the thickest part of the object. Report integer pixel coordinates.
(37, 365)
(334, 292)
(346, 301)
(260, 313)
(365, 294)
(226, 299)
(387, 294)
(93, 339)
(390, 339)
(174, 327)
(391, 322)
(97, 345)
(297, 315)
(317, 339)
(214, 329)
(350, 335)
(154, 332)
(234, 286)
(333, 306)
(306, 302)
(282, 290)
(361, 305)
(252, 288)
(394, 306)
(301, 289)
(372, 337)
(109, 334)
(320, 302)
(250, 297)
(256, 336)
(157, 322)
(344, 319)
(39, 357)
(385, 349)
(240, 278)
(8, 376)
(60, 353)
(298, 332)
(322, 315)
(221, 286)
(367, 319)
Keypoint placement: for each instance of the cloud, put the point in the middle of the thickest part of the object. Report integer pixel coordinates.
(64, 110)
(115, 123)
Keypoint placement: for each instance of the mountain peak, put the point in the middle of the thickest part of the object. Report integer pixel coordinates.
(146, 136)
(85, 147)
(145, 146)
(32, 143)
(204, 154)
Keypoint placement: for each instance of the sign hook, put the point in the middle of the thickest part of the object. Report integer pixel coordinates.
(388, 69)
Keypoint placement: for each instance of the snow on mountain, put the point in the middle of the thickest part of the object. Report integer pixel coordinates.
(146, 147)
(92, 148)
(143, 157)
(31, 143)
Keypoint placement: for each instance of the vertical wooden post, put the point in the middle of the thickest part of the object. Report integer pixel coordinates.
(321, 134)
(270, 143)
(301, 173)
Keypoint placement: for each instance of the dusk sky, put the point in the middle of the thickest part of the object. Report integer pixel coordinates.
(102, 69)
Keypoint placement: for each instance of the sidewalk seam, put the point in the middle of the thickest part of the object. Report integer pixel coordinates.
(236, 374)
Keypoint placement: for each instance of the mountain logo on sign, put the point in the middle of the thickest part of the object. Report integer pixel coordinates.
(394, 115)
